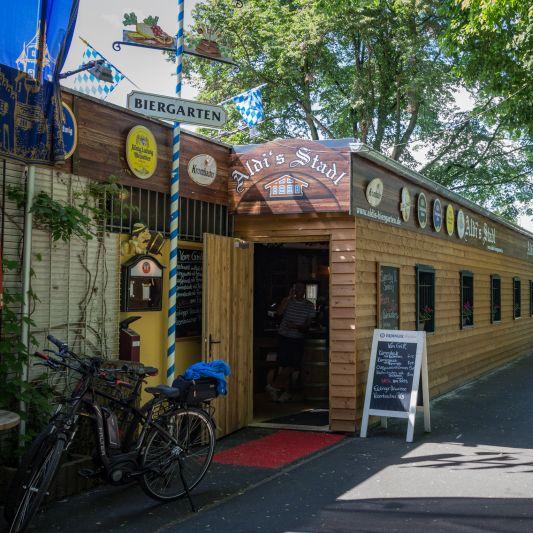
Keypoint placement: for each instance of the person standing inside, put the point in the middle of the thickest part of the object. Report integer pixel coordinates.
(296, 312)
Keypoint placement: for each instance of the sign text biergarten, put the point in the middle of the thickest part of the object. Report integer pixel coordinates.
(177, 109)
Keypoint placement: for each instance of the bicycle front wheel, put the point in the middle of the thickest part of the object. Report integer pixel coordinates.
(36, 486)
(163, 459)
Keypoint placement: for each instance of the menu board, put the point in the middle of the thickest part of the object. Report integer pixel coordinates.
(393, 376)
(389, 297)
(189, 293)
(398, 367)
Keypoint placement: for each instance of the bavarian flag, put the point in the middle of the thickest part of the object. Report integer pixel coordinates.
(35, 36)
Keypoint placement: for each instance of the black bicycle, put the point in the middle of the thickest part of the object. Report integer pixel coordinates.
(166, 445)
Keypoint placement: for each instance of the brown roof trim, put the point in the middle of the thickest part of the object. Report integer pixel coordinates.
(367, 152)
(133, 113)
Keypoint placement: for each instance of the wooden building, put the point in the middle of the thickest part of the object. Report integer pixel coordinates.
(377, 245)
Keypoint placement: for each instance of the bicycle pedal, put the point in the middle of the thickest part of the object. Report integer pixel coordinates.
(88, 473)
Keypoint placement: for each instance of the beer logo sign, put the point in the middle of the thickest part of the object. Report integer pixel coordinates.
(405, 205)
(141, 152)
(450, 219)
(461, 226)
(203, 169)
(437, 215)
(422, 210)
(374, 192)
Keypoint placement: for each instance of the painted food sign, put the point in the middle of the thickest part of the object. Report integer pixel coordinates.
(389, 297)
(141, 152)
(290, 176)
(70, 131)
(202, 169)
(189, 293)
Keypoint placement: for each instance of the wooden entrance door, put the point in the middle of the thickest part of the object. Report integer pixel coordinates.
(228, 324)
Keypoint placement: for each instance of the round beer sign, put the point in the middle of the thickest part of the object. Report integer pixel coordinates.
(437, 215)
(141, 152)
(69, 129)
(405, 205)
(422, 210)
(460, 224)
(450, 219)
(203, 169)
(374, 192)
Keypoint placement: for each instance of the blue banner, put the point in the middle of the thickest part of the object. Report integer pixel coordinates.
(35, 36)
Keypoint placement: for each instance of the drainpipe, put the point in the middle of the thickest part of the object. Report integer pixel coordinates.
(26, 279)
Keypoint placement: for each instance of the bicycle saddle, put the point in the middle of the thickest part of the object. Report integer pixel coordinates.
(163, 390)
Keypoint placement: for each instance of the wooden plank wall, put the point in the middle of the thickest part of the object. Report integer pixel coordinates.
(454, 355)
(340, 231)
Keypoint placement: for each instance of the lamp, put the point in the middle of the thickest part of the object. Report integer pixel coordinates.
(98, 68)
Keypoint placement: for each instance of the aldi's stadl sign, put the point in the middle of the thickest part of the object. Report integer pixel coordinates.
(177, 109)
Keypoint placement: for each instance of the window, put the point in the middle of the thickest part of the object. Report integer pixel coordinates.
(517, 298)
(531, 297)
(495, 299)
(467, 299)
(425, 298)
(297, 189)
(289, 189)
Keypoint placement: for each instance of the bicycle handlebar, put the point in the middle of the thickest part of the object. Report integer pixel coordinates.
(56, 342)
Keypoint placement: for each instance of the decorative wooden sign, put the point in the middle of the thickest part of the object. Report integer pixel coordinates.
(397, 362)
(462, 225)
(290, 176)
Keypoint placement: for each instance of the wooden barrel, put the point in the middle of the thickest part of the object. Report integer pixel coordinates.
(315, 372)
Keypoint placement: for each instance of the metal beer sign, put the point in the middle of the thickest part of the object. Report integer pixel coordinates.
(177, 109)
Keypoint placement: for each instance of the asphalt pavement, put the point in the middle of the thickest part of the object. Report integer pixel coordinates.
(472, 473)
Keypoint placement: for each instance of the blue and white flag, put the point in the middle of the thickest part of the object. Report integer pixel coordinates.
(87, 83)
(35, 37)
(250, 106)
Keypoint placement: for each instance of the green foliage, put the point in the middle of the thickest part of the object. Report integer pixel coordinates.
(374, 70)
(491, 44)
(130, 19)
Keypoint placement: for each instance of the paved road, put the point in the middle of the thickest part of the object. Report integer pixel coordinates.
(473, 473)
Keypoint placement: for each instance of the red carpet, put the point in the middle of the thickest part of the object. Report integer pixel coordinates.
(278, 449)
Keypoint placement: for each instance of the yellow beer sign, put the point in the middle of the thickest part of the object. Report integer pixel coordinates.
(141, 152)
(450, 219)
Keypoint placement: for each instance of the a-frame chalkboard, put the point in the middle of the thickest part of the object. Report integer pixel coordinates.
(397, 363)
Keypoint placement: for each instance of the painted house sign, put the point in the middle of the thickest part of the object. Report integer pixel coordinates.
(290, 176)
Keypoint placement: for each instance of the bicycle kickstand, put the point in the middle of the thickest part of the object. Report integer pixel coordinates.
(185, 486)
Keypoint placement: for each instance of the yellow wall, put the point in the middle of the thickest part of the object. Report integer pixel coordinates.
(152, 328)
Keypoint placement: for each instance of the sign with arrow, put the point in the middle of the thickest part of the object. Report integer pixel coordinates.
(177, 109)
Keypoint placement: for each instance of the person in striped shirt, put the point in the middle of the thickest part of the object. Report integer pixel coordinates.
(297, 312)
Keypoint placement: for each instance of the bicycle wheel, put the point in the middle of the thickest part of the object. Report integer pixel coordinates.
(194, 431)
(36, 486)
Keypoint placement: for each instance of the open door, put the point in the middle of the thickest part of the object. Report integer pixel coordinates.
(228, 324)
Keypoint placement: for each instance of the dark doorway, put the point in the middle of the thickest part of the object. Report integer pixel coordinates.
(302, 399)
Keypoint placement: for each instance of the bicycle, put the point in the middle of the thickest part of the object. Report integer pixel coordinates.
(167, 445)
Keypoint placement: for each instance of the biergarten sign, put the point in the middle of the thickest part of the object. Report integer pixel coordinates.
(177, 109)
(398, 368)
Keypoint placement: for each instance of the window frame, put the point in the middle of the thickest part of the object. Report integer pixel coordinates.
(425, 269)
(515, 280)
(492, 278)
(462, 275)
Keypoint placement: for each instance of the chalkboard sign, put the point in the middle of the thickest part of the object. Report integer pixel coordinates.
(397, 362)
(189, 293)
(389, 297)
(393, 376)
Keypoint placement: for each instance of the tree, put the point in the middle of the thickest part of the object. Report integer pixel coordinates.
(491, 45)
(368, 69)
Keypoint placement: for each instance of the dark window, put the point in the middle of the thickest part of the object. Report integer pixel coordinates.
(531, 297)
(495, 298)
(467, 299)
(425, 298)
(517, 298)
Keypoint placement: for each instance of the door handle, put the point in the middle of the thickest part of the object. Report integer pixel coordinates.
(210, 342)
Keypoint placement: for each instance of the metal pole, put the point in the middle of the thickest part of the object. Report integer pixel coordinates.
(174, 208)
(26, 279)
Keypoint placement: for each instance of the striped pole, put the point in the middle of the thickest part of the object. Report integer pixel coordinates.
(174, 209)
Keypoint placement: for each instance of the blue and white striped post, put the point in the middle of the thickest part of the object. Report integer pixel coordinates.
(174, 209)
